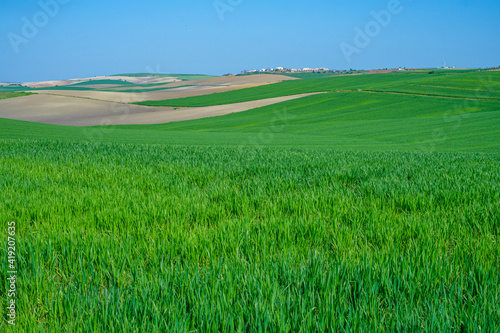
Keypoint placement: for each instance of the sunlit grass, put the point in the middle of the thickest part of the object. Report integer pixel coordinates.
(12, 94)
(163, 238)
(484, 85)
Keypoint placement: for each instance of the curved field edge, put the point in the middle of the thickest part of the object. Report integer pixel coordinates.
(13, 94)
(482, 85)
(352, 120)
(154, 237)
(183, 77)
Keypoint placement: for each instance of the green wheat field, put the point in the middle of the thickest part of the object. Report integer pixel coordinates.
(374, 206)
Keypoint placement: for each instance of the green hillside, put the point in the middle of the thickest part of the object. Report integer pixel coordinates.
(372, 210)
(372, 120)
(484, 85)
(363, 121)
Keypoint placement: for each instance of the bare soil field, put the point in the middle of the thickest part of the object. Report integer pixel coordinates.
(158, 95)
(166, 85)
(135, 80)
(106, 96)
(245, 79)
(225, 81)
(380, 71)
(73, 111)
(218, 81)
(99, 86)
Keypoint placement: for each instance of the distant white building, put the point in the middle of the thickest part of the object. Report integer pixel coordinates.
(292, 70)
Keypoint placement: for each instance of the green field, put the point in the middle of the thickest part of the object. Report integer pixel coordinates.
(369, 120)
(345, 120)
(320, 75)
(371, 210)
(12, 94)
(483, 85)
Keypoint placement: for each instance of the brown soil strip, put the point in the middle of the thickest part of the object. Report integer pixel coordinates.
(158, 95)
(67, 110)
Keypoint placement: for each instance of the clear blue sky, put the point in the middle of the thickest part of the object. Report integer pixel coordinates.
(100, 37)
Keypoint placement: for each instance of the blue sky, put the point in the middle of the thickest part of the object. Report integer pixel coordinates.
(96, 37)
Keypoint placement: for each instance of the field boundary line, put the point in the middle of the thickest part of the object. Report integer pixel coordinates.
(82, 97)
(306, 94)
(416, 94)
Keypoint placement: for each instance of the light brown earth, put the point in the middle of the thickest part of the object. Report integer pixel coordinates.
(245, 79)
(223, 80)
(196, 88)
(381, 71)
(99, 86)
(167, 85)
(232, 80)
(156, 95)
(135, 80)
(89, 108)
(74, 111)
